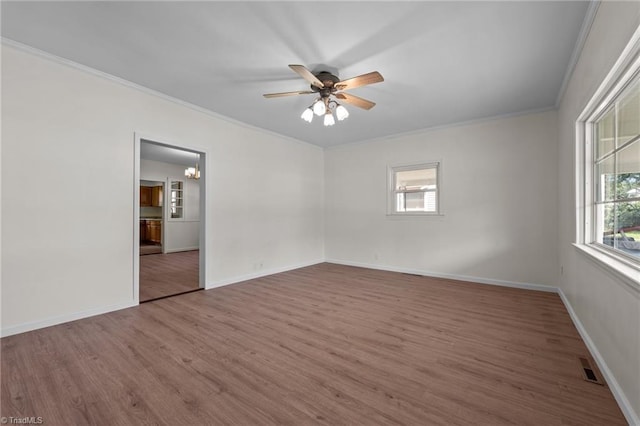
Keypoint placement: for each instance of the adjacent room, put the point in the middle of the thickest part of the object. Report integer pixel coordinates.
(169, 234)
(305, 212)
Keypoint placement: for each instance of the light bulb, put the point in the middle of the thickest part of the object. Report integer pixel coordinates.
(341, 113)
(307, 115)
(319, 107)
(328, 119)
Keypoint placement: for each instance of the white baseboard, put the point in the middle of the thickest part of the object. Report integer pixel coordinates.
(490, 281)
(259, 274)
(48, 322)
(175, 250)
(627, 409)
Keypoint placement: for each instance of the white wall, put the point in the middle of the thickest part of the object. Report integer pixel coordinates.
(608, 309)
(67, 240)
(67, 226)
(183, 234)
(498, 194)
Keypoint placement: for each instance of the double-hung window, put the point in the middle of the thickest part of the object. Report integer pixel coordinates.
(616, 173)
(414, 189)
(610, 146)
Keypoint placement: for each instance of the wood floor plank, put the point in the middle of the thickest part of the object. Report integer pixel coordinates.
(326, 344)
(163, 275)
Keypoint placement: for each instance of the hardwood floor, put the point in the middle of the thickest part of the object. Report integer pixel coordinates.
(150, 248)
(326, 344)
(164, 275)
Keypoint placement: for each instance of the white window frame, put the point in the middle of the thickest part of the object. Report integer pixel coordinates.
(392, 191)
(169, 202)
(626, 68)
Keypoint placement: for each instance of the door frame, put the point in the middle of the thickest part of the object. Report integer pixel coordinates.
(202, 240)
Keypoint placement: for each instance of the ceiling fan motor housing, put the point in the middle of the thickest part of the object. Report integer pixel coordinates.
(329, 80)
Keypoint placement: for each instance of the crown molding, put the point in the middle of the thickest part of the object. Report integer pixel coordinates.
(589, 17)
(121, 81)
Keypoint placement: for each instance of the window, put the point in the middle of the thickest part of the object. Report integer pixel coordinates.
(176, 199)
(616, 168)
(414, 189)
(612, 170)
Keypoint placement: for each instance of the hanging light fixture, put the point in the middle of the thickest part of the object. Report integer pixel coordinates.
(328, 88)
(193, 172)
(325, 106)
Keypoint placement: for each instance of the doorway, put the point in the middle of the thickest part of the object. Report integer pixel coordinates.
(169, 244)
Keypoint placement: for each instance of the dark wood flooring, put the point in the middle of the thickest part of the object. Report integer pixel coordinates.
(147, 247)
(326, 344)
(163, 275)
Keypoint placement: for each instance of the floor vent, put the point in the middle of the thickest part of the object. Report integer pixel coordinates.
(590, 373)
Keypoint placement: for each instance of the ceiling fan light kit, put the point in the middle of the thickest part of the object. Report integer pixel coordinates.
(319, 108)
(307, 115)
(329, 86)
(328, 119)
(341, 112)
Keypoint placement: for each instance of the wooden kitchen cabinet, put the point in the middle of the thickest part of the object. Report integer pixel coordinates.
(151, 196)
(156, 196)
(143, 230)
(151, 231)
(145, 196)
(154, 231)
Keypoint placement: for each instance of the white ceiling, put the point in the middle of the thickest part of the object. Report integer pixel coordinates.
(165, 154)
(443, 62)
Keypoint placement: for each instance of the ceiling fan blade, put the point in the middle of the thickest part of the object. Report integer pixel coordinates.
(361, 80)
(355, 100)
(278, 95)
(307, 75)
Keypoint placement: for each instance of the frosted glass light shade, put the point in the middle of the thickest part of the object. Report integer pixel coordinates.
(341, 113)
(319, 108)
(329, 120)
(307, 115)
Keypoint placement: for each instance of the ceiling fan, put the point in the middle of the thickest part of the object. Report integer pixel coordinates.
(327, 85)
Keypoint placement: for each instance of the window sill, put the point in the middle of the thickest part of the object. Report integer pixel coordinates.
(413, 215)
(621, 270)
